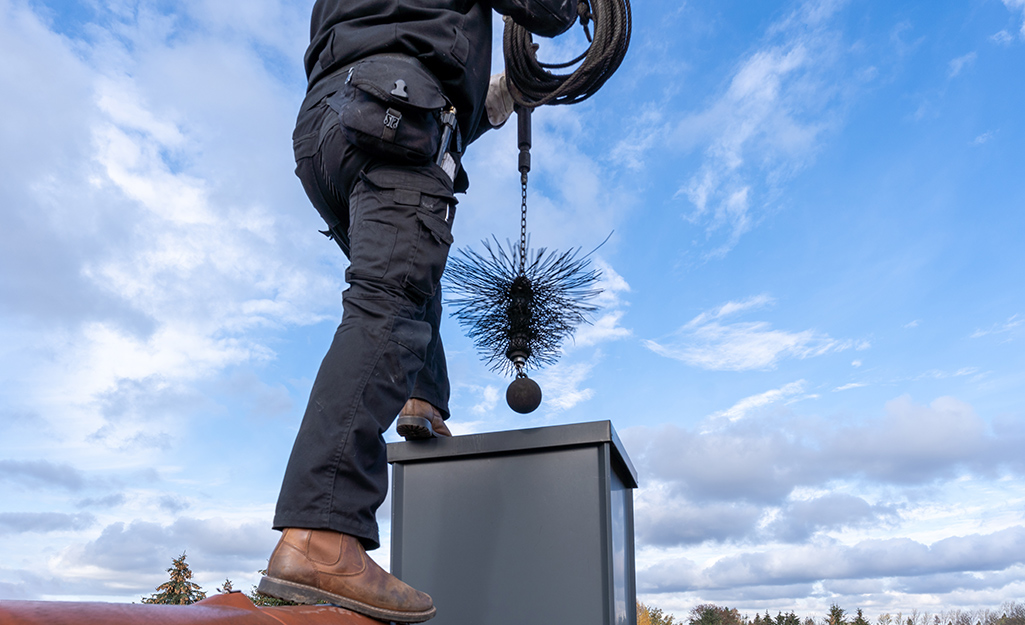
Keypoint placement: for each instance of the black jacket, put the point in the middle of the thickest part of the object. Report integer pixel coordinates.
(451, 37)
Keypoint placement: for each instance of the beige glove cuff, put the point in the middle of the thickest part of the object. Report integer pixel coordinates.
(499, 102)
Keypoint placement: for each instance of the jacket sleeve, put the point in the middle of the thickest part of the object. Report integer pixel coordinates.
(547, 18)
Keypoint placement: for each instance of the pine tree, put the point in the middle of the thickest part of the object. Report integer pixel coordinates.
(179, 590)
(226, 587)
(787, 619)
(836, 616)
(860, 619)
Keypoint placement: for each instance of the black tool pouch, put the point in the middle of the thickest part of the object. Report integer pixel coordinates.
(390, 107)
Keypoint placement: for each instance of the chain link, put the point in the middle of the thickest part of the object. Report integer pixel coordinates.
(523, 224)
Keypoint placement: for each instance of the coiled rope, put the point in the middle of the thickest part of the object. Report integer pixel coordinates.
(532, 82)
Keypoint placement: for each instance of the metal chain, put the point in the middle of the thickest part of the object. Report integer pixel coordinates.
(520, 373)
(523, 224)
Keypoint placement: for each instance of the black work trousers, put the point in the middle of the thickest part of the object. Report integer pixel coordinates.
(394, 223)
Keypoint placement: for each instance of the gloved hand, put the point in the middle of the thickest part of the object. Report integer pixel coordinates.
(499, 103)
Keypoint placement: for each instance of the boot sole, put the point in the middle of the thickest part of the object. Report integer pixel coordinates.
(300, 593)
(414, 428)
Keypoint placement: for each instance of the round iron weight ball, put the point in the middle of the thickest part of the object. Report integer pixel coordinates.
(523, 395)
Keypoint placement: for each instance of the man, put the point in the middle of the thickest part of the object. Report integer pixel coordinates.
(364, 150)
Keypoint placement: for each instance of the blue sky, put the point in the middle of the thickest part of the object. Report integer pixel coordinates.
(810, 338)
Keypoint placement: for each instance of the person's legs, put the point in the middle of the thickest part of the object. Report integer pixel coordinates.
(400, 233)
(424, 414)
(328, 167)
(396, 229)
(432, 382)
(336, 477)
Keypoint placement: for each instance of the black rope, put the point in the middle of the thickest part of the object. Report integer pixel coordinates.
(532, 82)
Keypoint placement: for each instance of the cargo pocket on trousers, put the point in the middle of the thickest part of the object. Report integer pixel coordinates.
(423, 206)
(434, 217)
(372, 245)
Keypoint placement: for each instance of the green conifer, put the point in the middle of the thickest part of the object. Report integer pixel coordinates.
(180, 589)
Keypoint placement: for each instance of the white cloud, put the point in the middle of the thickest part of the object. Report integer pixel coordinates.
(706, 343)
(561, 383)
(869, 559)
(1017, 6)
(139, 171)
(649, 131)
(606, 327)
(733, 308)
(937, 374)
(1002, 37)
(43, 522)
(475, 407)
(766, 125)
(1009, 327)
(174, 253)
(120, 100)
(849, 386)
(800, 519)
(743, 346)
(36, 473)
(725, 464)
(983, 138)
(613, 286)
(960, 63)
(743, 407)
(127, 558)
(664, 518)
(271, 23)
(489, 399)
(915, 442)
(765, 460)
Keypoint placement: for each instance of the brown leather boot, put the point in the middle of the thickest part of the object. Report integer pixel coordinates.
(418, 420)
(311, 566)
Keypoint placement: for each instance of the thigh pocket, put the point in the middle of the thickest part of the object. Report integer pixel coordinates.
(434, 238)
(372, 245)
(419, 204)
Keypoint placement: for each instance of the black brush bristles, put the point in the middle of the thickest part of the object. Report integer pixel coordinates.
(529, 312)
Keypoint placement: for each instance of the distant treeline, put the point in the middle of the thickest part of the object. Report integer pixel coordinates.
(1011, 613)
